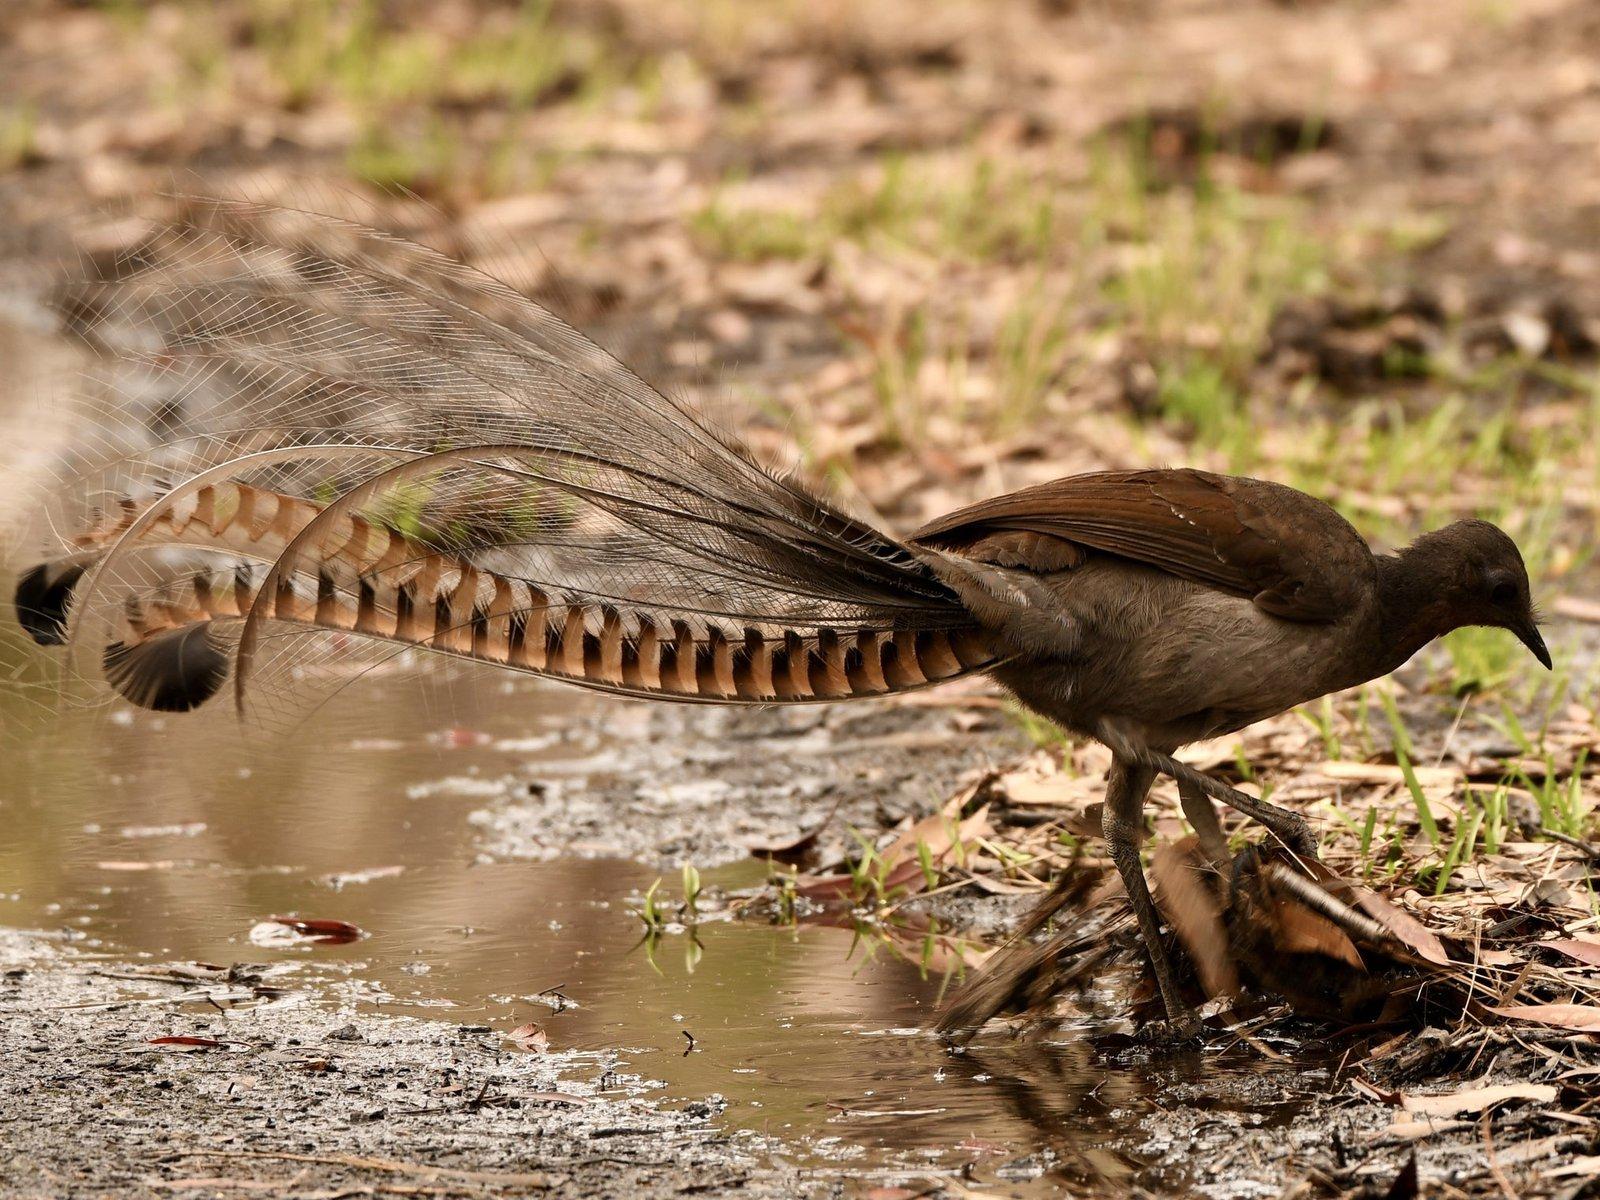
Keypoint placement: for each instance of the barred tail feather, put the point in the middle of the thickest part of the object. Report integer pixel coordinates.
(580, 524)
(173, 646)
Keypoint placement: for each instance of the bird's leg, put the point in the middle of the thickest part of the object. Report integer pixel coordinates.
(1288, 827)
(1197, 808)
(1123, 825)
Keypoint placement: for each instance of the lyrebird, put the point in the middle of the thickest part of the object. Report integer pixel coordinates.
(337, 439)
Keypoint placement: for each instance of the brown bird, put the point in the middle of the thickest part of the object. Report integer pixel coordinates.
(339, 440)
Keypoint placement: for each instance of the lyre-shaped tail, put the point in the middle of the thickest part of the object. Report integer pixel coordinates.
(366, 442)
(172, 646)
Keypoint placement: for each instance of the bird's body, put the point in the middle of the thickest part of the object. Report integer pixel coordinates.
(1166, 661)
(1189, 614)
(397, 467)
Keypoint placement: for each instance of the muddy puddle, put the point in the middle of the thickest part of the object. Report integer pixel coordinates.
(144, 838)
(494, 841)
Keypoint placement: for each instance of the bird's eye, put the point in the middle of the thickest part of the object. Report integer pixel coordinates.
(1503, 593)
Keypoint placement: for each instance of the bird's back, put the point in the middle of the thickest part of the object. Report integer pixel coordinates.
(1186, 604)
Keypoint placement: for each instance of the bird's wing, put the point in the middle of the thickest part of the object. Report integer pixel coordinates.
(1292, 554)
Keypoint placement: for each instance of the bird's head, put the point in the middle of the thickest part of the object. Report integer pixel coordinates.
(1480, 579)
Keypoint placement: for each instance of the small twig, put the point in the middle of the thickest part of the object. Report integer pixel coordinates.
(1577, 843)
(476, 1102)
(1494, 1161)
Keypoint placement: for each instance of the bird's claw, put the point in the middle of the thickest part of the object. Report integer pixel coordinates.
(1174, 1033)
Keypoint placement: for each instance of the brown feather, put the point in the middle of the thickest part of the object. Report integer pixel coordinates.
(1293, 555)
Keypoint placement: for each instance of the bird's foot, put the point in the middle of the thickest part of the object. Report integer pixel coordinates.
(1175, 1033)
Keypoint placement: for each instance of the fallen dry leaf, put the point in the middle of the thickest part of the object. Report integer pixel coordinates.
(1360, 772)
(1581, 949)
(1476, 1099)
(900, 864)
(1586, 1167)
(941, 833)
(1194, 913)
(556, 1097)
(1405, 928)
(1301, 931)
(321, 930)
(189, 1042)
(1583, 1017)
(798, 851)
(1411, 1131)
(530, 1037)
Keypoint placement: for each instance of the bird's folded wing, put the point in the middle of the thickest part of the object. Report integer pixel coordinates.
(1294, 556)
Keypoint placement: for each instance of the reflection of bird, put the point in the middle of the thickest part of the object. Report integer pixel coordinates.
(329, 440)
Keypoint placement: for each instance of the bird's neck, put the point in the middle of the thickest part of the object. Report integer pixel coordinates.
(1412, 609)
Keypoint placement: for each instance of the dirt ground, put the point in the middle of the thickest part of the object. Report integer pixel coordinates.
(927, 252)
(302, 1101)
(311, 1096)
(295, 1100)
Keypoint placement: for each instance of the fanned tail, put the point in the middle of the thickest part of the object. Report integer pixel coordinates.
(376, 445)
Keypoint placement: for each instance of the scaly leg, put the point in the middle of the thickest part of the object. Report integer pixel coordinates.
(1197, 808)
(1123, 824)
(1288, 827)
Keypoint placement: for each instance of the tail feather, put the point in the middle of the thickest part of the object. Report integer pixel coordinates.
(420, 456)
(173, 671)
(44, 594)
(371, 580)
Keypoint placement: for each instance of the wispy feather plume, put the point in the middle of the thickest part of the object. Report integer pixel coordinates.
(338, 443)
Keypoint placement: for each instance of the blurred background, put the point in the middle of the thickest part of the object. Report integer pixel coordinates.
(943, 247)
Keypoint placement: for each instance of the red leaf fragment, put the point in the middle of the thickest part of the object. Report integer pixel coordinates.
(189, 1042)
(322, 930)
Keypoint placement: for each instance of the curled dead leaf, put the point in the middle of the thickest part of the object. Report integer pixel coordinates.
(530, 1037)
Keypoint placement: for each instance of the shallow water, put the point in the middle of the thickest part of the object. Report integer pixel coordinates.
(160, 838)
(166, 839)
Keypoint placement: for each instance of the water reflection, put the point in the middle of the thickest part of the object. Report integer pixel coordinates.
(169, 839)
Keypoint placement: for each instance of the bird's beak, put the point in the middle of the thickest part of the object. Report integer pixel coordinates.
(1530, 637)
